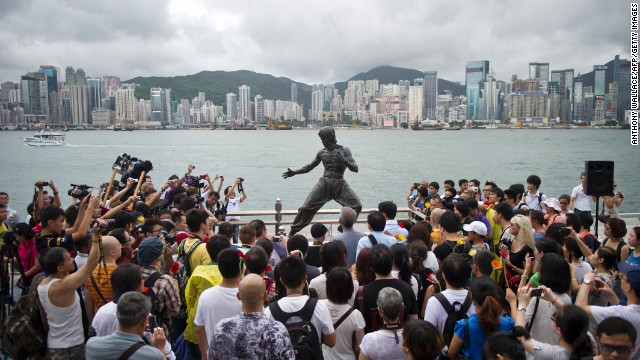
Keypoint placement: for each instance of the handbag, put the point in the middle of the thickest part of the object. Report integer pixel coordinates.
(601, 216)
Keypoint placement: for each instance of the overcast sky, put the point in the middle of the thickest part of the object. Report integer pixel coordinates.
(320, 41)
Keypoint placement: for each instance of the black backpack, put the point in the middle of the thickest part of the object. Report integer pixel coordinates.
(453, 316)
(303, 334)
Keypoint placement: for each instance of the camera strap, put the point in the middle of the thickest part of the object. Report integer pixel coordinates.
(95, 286)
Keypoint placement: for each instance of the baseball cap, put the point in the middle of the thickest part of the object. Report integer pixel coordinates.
(149, 250)
(318, 230)
(554, 203)
(632, 272)
(477, 227)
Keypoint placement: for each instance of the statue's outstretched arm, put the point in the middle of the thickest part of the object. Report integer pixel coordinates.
(303, 170)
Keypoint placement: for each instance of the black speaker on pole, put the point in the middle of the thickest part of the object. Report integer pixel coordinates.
(599, 178)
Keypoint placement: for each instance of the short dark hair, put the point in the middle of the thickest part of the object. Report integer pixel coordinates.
(148, 225)
(505, 344)
(122, 218)
(216, 244)
(258, 226)
(609, 257)
(331, 256)
(298, 242)
(450, 183)
(450, 222)
(195, 218)
(376, 221)
(585, 219)
(257, 260)
(511, 194)
(548, 245)
(381, 259)
(229, 263)
(339, 285)
(499, 193)
(617, 227)
(50, 212)
(456, 270)
(187, 204)
(534, 180)
(555, 273)
(435, 185)
(537, 215)
(572, 247)
(462, 208)
(177, 217)
(423, 340)
(472, 203)
(518, 188)
(265, 244)
(50, 258)
(292, 271)
(554, 232)
(125, 278)
(70, 214)
(226, 228)
(388, 208)
(490, 183)
(140, 206)
(617, 326)
(462, 181)
(475, 181)
(573, 220)
(483, 260)
(505, 210)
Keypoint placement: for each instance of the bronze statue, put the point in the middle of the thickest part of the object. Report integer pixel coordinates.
(331, 186)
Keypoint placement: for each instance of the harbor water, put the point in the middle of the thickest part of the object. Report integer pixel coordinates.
(389, 160)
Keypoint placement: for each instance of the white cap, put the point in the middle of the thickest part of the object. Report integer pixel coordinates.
(477, 227)
(554, 203)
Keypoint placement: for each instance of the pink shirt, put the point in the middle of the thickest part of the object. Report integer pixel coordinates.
(28, 255)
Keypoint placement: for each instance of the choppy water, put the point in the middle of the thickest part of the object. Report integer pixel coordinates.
(389, 160)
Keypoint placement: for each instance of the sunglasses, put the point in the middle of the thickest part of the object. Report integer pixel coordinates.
(622, 350)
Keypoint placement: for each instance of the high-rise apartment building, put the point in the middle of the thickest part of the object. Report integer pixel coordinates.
(622, 76)
(95, 94)
(232, 106)
(539, 71)
(475, 74)
(430, 84)
(317, 103)
(69, 76)
(52, 77)
(244, 102)
(416, 101)
(577, 98)
(259, 109)
(126, 106)
(79, 104)
(565, 79)
(599, 85)
(159, 105)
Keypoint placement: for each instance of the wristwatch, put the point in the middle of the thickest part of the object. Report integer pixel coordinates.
(520, 308)
(587, 281)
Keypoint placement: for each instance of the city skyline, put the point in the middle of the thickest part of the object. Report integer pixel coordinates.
(329, 44)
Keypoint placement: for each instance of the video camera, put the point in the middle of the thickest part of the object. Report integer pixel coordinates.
(79, 191)
(130, 166)
(8, 237)
(220, 209)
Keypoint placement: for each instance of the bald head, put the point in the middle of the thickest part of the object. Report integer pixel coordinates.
(435, 215)
(112, 248)
(251, 292)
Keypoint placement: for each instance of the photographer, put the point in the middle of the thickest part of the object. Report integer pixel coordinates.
(611, 205)
(232, 203)
(27, 249)
(42, 199)
(52, 221)
(411, 197)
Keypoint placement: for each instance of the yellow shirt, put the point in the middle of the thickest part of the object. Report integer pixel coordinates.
(496, 229)
(204, 277)
(199, 256)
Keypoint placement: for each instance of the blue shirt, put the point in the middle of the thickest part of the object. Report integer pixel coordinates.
(484, 220)
(473, 348)
(380, 236)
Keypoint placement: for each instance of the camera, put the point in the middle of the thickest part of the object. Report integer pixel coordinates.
(507, 242)
(8, 237)
(109, 222)
(620, 195)
(276, 239)
(220, 209)
(79, 191)
(281, 230)
(536, 292)
(416, 185)
(44, 183)
(564, 232)
(203, 177)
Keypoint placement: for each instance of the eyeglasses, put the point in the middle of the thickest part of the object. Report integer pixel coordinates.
(622, 350)
(156, 231)
(486, 190)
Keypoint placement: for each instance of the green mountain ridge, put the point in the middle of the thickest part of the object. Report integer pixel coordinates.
(216, 84)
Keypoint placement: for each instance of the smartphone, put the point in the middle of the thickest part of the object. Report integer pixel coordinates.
(536, 292)
(153, 323)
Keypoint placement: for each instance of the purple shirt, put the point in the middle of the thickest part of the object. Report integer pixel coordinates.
(485, 221)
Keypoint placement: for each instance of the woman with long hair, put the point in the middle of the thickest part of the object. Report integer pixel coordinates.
(418, 251)
(27, 251)
(470, 334)
(569, 322)
(537, 223)
(422, 232)
(402, 266)
(331, 257)
(514, 254)
(361, 270)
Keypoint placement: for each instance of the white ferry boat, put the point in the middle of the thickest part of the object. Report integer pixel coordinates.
(46, 137)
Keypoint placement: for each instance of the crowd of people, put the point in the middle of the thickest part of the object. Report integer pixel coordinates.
(478, 272)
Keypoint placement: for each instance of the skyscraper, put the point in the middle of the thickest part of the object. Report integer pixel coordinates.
(430, 94)
(294, 93)
(95, 94)
(565, 79)
(81, 77)
(52, 77)
(475, 74)
(577, 98)
(79, 104)
(158, 105)
(126, 106)
(35, 97)
(416, 102)
(539, 71)
(622, 76)
(599, 85)
(317, 102)
(232, 106)
(70, 76)
(259, 106)
(244, 100)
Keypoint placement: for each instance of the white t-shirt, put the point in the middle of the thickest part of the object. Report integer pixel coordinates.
(435, 313)
(105, 322)
(431, 262)
(582, 268)
(233, 205)
(216, 303)
(320, 284)
(581, 201)
(321, 318)
(414, 282)
(541, 328)
(382, 345)
(629, 312)
(343, 349)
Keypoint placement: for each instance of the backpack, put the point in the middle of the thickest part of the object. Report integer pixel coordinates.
(26, 328)
(453, 316)
(183, 274)
(524, 196)
(148, 291)
(303, 334)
